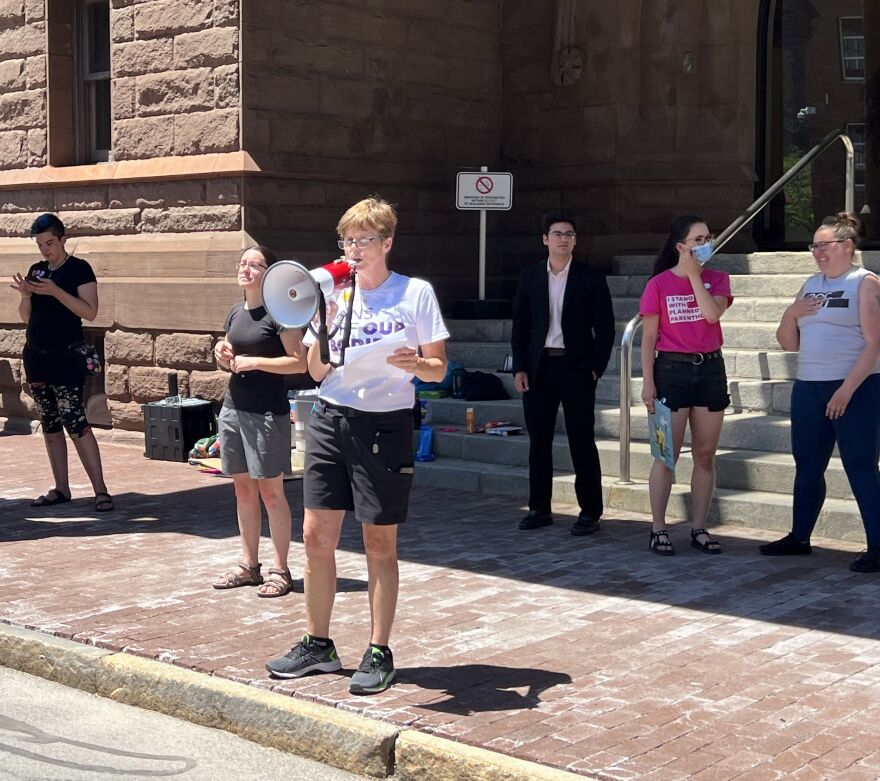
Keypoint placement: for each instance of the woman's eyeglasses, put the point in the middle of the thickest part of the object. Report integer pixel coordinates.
(817, 245)
(359, 243)
(700, 240)
(252, 266)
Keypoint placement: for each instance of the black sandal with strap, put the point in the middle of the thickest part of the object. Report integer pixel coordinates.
(52, 496)
(661, 544)
(711, 545)
(103, 502)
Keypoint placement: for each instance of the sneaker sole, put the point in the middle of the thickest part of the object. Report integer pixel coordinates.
(386, 682)
(323, 667)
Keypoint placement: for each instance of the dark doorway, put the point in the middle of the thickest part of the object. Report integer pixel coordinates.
(819, 71)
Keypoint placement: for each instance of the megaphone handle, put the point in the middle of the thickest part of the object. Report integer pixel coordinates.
(323, 338)
(346, 334)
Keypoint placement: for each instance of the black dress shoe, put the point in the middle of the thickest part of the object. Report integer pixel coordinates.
(584, 525)
(535, 520)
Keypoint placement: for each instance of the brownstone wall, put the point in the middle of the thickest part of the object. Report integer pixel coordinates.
(22, 84)
(137, 365)
(659, 122)
(344, 99)
(175, 77)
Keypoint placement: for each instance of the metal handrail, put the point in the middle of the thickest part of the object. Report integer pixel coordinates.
(632, 327)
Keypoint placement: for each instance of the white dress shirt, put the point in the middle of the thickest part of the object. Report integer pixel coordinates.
(556, 284)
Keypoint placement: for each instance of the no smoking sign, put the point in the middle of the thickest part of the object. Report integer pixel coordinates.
(484, 190)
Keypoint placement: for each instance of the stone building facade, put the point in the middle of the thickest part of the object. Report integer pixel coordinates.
(230, 122)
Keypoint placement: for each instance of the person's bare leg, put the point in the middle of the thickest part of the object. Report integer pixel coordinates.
(56, 449)
(87, 449)
(661, 478)
(380, 544)
(321, 529)
(250, 520)
(278, 511)
(705, 433)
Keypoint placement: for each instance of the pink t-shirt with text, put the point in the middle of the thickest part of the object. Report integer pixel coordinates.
(682, 327)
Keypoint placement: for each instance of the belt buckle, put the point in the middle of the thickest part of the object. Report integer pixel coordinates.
(701, 361)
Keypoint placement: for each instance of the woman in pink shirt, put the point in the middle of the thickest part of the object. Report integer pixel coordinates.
(682, 366)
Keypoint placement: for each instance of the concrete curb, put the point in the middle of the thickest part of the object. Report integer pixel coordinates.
(319, 732)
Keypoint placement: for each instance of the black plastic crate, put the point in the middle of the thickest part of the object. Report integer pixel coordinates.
(171, 428)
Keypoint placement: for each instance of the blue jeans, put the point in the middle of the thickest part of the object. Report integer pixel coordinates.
(857, 433)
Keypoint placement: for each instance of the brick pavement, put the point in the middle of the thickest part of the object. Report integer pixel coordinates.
(589, 654)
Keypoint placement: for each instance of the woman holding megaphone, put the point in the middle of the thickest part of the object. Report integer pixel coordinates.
(359, 440)
(254, 425)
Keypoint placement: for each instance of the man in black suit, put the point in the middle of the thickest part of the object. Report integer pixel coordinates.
(563, 334)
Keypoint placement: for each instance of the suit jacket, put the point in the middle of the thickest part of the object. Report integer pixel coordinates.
(587, 319)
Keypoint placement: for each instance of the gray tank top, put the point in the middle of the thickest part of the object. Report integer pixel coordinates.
(831, 339)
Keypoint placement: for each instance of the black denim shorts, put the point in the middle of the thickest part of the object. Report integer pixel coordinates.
(359, 461)
(692, 384)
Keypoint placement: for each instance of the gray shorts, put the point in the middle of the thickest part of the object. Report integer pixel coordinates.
(254, 442)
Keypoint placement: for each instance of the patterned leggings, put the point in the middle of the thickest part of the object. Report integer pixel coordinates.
(61, 406)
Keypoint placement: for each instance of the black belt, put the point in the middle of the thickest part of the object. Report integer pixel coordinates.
(554, 352)
(351, 412)
(694, 358)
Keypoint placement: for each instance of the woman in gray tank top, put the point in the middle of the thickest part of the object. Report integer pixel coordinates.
(834, 326)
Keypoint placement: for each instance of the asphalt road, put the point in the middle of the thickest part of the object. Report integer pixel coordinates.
(49, 732)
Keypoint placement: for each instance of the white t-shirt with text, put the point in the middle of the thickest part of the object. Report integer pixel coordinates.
(399, 304)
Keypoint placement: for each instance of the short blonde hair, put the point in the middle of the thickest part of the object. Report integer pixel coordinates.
(372, 213)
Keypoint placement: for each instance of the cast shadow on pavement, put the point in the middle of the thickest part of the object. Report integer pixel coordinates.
(478, 533)
(480, 688)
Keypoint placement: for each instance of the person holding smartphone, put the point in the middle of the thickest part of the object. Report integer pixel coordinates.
(57, 294)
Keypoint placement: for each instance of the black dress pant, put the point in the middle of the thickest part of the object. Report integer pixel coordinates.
(558, 381)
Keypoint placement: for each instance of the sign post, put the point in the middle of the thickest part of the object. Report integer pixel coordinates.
(483, 191)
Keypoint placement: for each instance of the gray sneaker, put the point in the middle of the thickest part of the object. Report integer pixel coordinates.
(304, 658)
(375, 673)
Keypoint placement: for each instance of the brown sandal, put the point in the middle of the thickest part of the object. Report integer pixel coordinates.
(233, 579)
(279, 581)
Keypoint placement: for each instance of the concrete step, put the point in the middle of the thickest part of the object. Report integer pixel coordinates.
(745, 394)
(741, 469)
(745, 309)
(839, 518)
(744, 362)
(751, 263)
(759, 285)
(741, 430)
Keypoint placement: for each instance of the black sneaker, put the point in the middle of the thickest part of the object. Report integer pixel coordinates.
(535, 520)
(375, 673)
(304, 658)
(787, 546)
(868, 561)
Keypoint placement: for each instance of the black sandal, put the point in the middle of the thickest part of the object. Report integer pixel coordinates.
(661, 544)
(711, 545)
(47, 499)
(103, 502)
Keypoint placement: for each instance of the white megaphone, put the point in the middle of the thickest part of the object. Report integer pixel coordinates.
(292, 293)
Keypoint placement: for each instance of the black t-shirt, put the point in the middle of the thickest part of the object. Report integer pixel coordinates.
(51, 323)
(253, 332)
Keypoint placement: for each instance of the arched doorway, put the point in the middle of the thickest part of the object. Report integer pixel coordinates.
(819, 70)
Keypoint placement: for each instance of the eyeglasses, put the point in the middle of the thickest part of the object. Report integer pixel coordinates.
(562, 235)
(823, 244)
(252, 266)
(359, 243)
(700, 240)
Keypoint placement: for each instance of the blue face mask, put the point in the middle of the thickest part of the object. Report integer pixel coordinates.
(703, 252)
